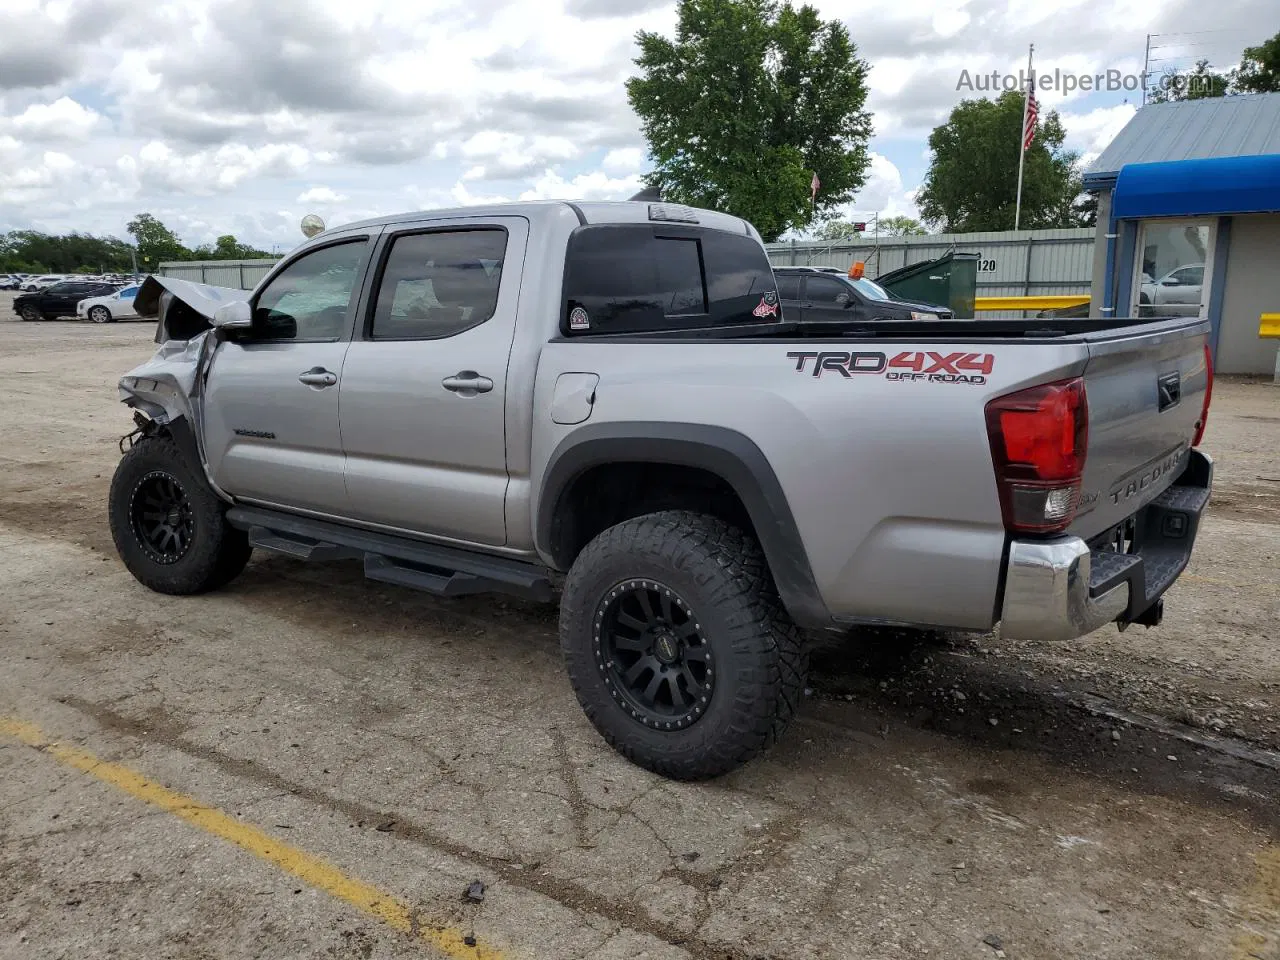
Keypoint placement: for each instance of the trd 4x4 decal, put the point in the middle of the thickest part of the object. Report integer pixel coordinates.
(910, 365)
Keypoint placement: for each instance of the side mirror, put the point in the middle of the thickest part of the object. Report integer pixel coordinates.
(236, 315)
(842, 299)
(1170, 282)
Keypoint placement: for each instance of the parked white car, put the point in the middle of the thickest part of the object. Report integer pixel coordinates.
(39, 283)
(1176, 294)
(112, 307)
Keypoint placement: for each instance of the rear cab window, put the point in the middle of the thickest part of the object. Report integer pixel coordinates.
(648, 278)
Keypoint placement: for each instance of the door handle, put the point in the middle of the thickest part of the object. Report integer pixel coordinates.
(467, 383)
(318, 377)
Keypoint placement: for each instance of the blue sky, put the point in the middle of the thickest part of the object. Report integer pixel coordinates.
(237, 116)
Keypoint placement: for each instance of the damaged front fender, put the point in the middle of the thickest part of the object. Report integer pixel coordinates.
(169, 387)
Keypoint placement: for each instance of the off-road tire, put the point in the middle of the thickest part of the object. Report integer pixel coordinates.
(217, 552)
(760, 655)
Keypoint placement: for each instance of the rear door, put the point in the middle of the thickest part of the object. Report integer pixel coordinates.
(425, 383)
(271, 404)
(1145, 388)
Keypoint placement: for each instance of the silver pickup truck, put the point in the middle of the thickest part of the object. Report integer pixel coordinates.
(483, 399)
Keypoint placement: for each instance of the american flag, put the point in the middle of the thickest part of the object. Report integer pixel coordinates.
(1029, 127)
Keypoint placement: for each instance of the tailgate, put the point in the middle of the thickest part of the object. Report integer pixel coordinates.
(1145, 388)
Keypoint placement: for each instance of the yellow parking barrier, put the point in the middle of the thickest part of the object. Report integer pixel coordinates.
(1269, 327)
(1052, 302)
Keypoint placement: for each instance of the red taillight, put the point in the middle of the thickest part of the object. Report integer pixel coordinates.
(1208, 396)
(1039, 437)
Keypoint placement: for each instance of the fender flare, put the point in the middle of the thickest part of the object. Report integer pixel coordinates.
(730, 455)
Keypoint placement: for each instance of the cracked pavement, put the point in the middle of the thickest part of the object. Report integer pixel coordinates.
(419, 744)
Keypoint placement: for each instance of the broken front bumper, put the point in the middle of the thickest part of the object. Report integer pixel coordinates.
(1064, 588)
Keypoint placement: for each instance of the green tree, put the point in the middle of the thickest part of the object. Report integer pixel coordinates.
(838, 230)
(902, 227)
(746, 104)
(227, 247)
(1259, 70)
(31, 251)
(972, 179)
(1201, 83)
(156, 242)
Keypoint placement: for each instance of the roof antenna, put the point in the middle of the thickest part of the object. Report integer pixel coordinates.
(649, 195)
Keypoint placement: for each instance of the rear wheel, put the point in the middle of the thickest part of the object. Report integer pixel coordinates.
(168, 526)
(677, 645)
(100, 314)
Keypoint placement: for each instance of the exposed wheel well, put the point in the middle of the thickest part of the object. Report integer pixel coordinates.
(607, 494)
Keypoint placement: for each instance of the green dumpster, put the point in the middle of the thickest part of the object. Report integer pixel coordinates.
(951, 280)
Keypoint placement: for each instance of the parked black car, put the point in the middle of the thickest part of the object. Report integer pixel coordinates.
(59, 300)
(818, 294)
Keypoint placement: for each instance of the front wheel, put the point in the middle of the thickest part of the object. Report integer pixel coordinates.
(100, 315)
(168, 526)
(30, 313)
(677, 645)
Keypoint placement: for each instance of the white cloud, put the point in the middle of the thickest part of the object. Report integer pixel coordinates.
(322, 195)
(62, 120)
(623, 160)
(1091, 132)
(596, 185)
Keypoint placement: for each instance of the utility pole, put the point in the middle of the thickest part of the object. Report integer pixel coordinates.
(1146, 65)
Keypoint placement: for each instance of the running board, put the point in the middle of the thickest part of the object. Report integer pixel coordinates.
(444, 571)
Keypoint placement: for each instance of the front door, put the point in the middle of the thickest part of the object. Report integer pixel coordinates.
(1173, 269)
(424, 388)
(61, 299)
(829, 300)
(271, 403)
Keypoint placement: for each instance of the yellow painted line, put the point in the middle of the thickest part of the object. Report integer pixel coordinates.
(312, 870)
(1047, 302)
(1264, 919)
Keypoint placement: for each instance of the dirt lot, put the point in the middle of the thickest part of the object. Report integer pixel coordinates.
(310, 765)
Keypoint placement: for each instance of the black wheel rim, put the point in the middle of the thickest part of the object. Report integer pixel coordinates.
(161, 517)
(653, 655)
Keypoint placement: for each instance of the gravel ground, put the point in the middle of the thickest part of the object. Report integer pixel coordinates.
(939, 796)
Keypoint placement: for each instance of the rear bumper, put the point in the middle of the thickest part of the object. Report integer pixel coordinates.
(1064, 588)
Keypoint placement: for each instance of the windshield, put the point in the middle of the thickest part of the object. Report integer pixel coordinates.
(870, 289)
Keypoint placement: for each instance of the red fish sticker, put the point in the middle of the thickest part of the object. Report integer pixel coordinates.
(768, 305)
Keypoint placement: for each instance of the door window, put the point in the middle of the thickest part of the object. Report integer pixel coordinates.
(309, 299)
(788, 286)
(1170, 272)
(633, 278)
(438, 284)
(826, 292)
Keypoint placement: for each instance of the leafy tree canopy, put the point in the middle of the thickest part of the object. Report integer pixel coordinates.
(746, 104)
(972, 179)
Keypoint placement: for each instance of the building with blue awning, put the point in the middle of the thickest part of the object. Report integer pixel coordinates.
(1189, 220)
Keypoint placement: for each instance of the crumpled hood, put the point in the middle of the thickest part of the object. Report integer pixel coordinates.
(185, 309)
(203, 298)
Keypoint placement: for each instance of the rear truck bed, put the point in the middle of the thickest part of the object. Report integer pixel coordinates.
(947, 474)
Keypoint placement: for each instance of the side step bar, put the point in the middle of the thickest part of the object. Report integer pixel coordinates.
(444, 571)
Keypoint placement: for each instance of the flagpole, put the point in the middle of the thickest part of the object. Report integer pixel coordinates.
(1022, 137)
